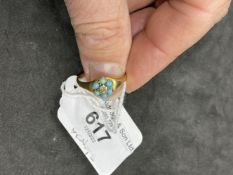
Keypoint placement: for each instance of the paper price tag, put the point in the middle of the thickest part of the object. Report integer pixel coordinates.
(105, 149)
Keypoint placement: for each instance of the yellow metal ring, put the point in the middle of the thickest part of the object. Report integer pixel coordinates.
(103, 87)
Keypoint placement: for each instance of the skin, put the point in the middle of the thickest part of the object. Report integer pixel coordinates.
(140, 39)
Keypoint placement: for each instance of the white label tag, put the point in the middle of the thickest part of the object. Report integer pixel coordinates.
(86, 124)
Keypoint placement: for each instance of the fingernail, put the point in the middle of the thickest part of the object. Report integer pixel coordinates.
(95, 70)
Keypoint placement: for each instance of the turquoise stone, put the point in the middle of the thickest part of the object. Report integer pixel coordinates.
(109, 83)
(97, 93)
(104, 96)
(109, 91)
(95, 85)
(102, 80)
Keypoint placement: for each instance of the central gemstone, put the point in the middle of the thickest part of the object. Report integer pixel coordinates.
(103, 89)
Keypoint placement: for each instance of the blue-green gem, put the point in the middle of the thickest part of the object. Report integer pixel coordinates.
(102, 80)
(95, 85)
(104, 96)
(109, 91)
(109, 83)
(97, 93)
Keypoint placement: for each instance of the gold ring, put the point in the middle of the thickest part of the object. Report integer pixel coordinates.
(103, 87)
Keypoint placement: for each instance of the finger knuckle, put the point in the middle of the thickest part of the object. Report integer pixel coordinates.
(99, 35)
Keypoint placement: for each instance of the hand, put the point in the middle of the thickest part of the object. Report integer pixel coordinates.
(118, 36)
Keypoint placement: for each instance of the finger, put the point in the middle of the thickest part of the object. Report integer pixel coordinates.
(138, 4)
(139, 19)
(103, 35)
(174, 27)
(159, 2)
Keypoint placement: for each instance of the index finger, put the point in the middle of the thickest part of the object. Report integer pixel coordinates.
(174, 27)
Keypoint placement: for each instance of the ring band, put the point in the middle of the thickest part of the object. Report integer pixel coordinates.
(103, 87)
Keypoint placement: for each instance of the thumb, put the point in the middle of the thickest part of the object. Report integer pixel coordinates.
(103, 35)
